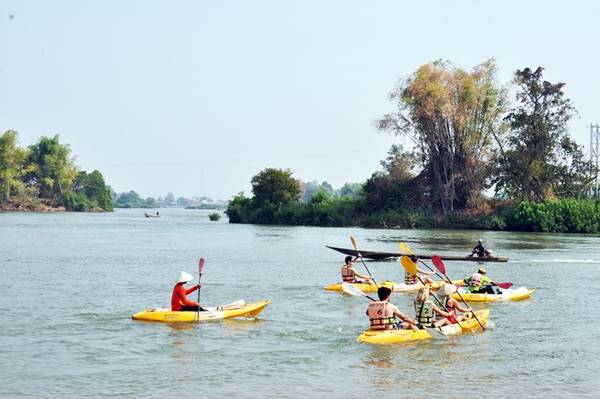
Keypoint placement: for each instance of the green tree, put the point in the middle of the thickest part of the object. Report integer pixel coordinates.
(451, 115)
(11, 165)
(51, 168)
(275, 188)
(540, 160)
(93, 187)
(129, 200)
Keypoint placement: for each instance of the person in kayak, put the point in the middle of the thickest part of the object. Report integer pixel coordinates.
(480, 250)
(452, 306)
(383, 315)
(349, 275)
(425, 310)
(410, 278)
(179, 300)
(480, 283)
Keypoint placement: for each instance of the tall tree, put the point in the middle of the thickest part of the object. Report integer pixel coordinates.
(275, 187)
(540, 160)
(51, 168)
(11, 165)
(451, 116)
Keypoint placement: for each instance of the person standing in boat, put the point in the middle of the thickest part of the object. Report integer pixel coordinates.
(179, 300)
(480, 250)
(383, 315)
(349, 275)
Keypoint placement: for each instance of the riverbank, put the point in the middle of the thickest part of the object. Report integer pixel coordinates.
(558, 216)
(38, 206)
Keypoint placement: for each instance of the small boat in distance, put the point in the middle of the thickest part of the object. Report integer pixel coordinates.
(386, 255)
(152, 216)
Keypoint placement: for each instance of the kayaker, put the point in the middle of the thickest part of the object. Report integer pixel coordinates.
(410, 278)
(480, 250)
(480, 283)
(349, 275)
(452, 306)
(383, 315)
(179, 300)
(425, 310)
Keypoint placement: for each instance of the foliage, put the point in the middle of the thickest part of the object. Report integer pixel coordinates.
(215, 216)
(11, 165)
(51, 168)
(451, 115)
(133, 200)
(239, 209)
(44, 175)
(540, 160)
(566, 216)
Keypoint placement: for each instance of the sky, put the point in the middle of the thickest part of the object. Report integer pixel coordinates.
(196, 97)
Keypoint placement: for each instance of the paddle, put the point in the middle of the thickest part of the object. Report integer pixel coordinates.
(200, 269)
(406, 248)
(439, 264)
(355, 291)
(361, 258)
(411, 267)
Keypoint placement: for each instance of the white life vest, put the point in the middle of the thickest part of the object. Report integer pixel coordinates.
(381, 315)
(424, 312)
(348, 275)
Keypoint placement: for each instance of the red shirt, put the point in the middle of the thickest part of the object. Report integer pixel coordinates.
(179, 297)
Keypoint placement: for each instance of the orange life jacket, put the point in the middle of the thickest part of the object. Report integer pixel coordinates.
(381, 316)
(348, 275)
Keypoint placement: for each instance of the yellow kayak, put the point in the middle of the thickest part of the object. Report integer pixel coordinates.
(510, 294)
(386, 337)
(396, 287)
(235, 309)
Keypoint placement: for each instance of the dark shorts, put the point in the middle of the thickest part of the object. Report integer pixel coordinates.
(191, 309)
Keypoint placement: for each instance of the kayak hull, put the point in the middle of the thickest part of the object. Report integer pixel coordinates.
(396, 287)
(168, 316)
(389, 337)
(518, 294)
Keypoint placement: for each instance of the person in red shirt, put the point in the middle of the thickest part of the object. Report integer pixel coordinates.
(179, 300)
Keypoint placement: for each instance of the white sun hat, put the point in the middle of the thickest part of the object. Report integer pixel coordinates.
(447, 289)
(184, 277)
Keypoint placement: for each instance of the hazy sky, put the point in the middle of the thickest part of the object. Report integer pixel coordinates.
(197, 97)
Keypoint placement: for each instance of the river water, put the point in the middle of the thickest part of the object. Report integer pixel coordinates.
(70, 283)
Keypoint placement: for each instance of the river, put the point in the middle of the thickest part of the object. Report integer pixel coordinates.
(70, 283)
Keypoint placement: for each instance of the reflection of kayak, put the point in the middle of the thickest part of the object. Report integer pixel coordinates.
(384, 337)
(510, 294)
(236, 309)
(396, 287)
(386, 255)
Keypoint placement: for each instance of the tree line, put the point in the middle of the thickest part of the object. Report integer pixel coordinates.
(478, 159)
(44, 175)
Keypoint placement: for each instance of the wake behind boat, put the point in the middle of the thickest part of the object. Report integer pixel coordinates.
(388, 255)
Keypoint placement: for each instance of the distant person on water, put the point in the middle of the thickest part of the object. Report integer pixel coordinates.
(480, 283)
(349, 275)
(481, 251)
(157, 213)
(383, 315)
(410, 278)
(179, 300)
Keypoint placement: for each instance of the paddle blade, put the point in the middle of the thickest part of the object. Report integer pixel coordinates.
(505, 285)
(405, 249)
(436, 334)
(352, 290)
(408, 264)
(354, 243)
(201, 265)
(437, 262)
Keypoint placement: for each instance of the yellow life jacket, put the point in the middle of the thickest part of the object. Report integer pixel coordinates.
(409, 278)
(348, 275)
(380, 315)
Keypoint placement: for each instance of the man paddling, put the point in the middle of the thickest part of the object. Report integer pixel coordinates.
(480, 283)
(349, 275)
(179, 300)
(383, 315)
